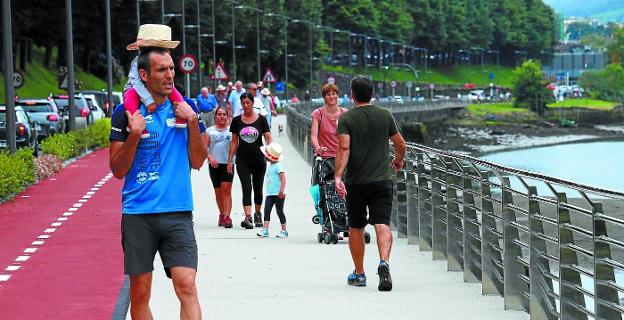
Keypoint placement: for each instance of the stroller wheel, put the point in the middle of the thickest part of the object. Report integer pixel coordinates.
(367, 237)
(319, 237)
(315, 219)
(334, 238)
(327, 238)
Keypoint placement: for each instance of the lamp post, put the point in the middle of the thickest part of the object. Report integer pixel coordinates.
(7, 37)
(138, 10)
(364, 51)
(286, 18)
(234, 69)
(109, 58)
(481, 50)
(310, 26)
(258, 12)
(497, 56)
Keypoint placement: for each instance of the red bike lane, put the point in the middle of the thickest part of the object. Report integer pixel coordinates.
(61, 255)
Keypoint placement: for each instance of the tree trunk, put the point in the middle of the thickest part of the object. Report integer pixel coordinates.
(29, 51)
(47, 58)
(60, 58)
(85, 58)
(22, 54)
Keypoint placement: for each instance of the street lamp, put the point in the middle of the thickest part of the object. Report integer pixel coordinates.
(310, 26)
(497, 54)
(286, 18)
(481, 50)
(258, 12)
(348, 33)
(234, 69)
(187, 76)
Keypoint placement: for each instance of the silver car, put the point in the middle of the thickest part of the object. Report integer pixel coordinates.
(46, 113)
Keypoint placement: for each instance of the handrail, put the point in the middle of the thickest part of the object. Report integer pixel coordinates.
(515, 242)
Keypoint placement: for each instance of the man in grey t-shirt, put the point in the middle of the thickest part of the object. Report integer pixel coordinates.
(363, 151)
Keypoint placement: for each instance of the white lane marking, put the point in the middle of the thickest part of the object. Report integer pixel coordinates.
(82, 200)
(43, 236)
(56, 224)
(72, 209)
(94, 189)
(4, 277)
(25, 196)
(67, 214)
(77, 205)
(49, 230)
(37, 243)
(87, 196)
(90, 193)
(22, 258)
(12, 268)
(53, 179)
(30, 250)
(62, 219)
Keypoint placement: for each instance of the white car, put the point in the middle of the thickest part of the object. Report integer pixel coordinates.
(396, 99)
(96, 111)
(476, 95)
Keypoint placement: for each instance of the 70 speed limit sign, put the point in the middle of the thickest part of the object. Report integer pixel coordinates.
(188, 63)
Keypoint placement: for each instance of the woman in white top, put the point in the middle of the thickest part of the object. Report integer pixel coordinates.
(220, 138)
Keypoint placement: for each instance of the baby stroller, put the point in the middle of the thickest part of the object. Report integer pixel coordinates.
(331, 209)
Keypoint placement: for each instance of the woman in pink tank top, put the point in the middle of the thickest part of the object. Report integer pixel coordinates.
(325, 122)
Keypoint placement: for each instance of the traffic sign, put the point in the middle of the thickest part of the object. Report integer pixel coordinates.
(18, 80)
(380, 85)
(268, 77)
(187, 63)
(409, 84)
(491, 75)
(331, 80)
(393, 84)
(279, 87)
(220, 73)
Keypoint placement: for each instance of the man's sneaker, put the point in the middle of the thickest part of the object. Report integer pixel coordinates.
(263, 233)
(358, 280)
(385, 281)
(221, 220)
(247, 224)
(227, 222)
(282, 234)
(258, 219)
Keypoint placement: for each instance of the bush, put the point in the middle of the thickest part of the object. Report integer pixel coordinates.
(99, 132)
(47, 165)
(63, 146)
(16, 172)
(529, 87)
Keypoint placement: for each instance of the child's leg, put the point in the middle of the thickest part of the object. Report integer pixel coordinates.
(279, 206)
(131, 104)
(268, 206)
(176, 97)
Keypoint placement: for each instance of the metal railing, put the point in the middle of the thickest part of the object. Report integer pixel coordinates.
(546, 245)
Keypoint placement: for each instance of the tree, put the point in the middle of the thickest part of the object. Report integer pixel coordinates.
(616, 48)
(529, 87)
(607, 84)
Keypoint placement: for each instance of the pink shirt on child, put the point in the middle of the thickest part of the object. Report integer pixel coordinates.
(327, 132)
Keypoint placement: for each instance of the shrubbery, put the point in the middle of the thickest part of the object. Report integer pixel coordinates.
(21, 169)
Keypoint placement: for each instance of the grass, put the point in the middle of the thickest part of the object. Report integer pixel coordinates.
(584, 103)
(39, 81)
(500, 109)
(457, 75)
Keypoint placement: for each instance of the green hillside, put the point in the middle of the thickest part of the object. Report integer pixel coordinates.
(39, 81)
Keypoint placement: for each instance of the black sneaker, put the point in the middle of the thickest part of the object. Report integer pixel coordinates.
(385, 281)
(247, 224)
(258, 219)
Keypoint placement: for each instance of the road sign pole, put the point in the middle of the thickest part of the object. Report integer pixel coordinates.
(70, 65)
(8, 74)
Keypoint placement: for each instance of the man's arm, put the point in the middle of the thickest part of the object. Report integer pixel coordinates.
(399, 152)
(121, 154)
(342, 157)
(197, 149)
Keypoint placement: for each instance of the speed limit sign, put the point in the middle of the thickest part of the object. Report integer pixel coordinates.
(187, 63)
(18, 80)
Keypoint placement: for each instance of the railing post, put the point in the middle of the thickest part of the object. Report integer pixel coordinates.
(605, 296)
(412, 199)
(512, 267)
(472, 243)
(438, 212)
(401, 197)
(424, 203)
(568, 297)
(454, 229)
(491, 257)
(394, 213)
(540, 303)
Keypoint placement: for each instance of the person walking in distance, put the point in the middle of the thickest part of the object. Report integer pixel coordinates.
(206, 102)
(248, 129)
(275, 186)
(157, 200)
(362, 159)
(219, 141)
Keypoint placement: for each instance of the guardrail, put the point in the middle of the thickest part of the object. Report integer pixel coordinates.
(546, 245)
(408, 106)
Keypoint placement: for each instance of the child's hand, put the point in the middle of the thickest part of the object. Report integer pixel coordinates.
(184, 111)
(136, 122)
(281, 195)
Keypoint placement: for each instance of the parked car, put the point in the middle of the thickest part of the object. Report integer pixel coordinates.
(117, 99)
(396, 99)
(476, 96)
(96, 111)
(100, 96)
(81, 109)
(25, 129)
(45, 112)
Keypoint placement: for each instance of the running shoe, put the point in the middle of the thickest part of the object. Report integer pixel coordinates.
(247, 223)
(221, 220)
(227, 222)
(263, 233)
(357, 280)
(282, 234)
(258, 219)
(385, 281)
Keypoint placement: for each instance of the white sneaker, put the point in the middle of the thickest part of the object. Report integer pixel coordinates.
(282, 234)
(263, 233)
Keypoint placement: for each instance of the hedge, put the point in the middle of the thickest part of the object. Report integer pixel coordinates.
(19, 170)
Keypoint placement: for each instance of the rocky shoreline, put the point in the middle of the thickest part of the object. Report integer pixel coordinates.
(480, 140)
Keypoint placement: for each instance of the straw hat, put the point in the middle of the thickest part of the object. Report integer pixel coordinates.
(265, 92)
(220, 87)
(272, 152)
(153, 35)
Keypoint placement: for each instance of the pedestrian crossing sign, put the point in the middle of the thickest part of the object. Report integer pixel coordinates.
(220, 73)
(268, 77)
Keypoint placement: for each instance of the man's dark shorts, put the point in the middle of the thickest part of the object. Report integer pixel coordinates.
(171, 234)
(376, 196)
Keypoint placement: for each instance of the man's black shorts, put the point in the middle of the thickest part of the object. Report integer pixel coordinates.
(171, 234)
(374, 196)
(220, 174)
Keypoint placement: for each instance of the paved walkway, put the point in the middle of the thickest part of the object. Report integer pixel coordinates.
(243, 277)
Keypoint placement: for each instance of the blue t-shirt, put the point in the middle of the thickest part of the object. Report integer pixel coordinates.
(208, 103)
(272, 179)
(159, 180)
